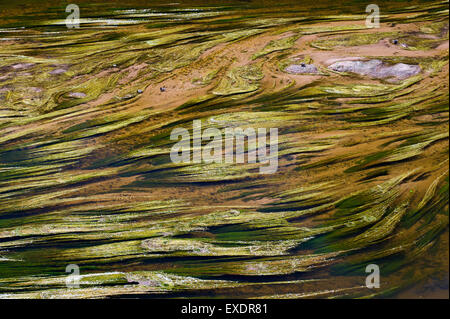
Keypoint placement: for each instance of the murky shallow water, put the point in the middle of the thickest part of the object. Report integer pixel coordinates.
(86, 178)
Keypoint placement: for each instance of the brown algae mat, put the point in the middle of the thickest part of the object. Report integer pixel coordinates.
(86, 178)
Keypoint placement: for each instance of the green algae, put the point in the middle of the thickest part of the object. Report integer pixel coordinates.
(89, 180)
(276, 45)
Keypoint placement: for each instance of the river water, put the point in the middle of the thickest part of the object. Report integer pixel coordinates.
(86, 177)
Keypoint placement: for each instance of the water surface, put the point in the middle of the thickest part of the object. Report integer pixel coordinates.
(86, 177)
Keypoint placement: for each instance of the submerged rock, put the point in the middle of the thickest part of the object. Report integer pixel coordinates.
(376, 69)
(302, 69)
(77, 95)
